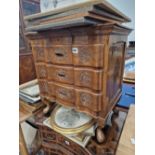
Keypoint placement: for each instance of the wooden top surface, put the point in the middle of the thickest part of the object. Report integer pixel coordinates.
(104, 4)
(125, 147)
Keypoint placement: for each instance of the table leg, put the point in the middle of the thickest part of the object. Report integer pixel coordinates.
(22, 144)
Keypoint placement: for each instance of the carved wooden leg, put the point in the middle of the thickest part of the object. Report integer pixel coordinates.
(115, 127)
(100, 135)
(116, 112)
(47, 108)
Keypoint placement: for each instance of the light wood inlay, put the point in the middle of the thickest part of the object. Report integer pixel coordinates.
(125, 146)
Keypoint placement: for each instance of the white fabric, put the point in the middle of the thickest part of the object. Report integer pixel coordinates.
(29, 133)
(47, 5)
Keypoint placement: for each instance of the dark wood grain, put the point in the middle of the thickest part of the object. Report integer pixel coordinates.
(26, 63)
(26, 68)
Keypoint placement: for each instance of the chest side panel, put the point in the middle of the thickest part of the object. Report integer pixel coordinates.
(115, 67)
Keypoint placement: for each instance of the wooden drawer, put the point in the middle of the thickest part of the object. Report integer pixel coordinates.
(70, 96)
(71, 146)
(65, 94)
(80, 151)
(88, 100)
(38, 53)
(88, 55)
(49, 136)
(56, 143)
(41, 70)
(89, 78)
(77, 55)
(83, 77)
(59, 55)
(61, 74)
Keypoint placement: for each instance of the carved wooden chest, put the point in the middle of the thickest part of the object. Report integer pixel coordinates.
(81, 67)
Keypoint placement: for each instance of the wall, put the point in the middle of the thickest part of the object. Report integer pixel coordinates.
(128, 8)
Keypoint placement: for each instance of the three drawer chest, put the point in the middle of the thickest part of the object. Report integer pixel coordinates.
(81, 67)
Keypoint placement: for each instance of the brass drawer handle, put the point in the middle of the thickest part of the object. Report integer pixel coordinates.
(63, 94)
(61, 74)
(59, 54)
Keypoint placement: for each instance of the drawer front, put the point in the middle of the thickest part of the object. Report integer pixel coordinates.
(41, 70)
(47, 151)
(65, 94)
(88, 100)
(81, 151)
(88, 55)
(59, 55)
(89, 78)
(61, 74)
(49, 136)
(38, 53)
(71, 145)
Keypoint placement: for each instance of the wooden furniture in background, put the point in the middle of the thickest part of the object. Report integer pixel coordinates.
(57, 144)
(125, 146)
(130, 51)
(113, 134)
(26, 64)
(22, 144)
(53, 142)
(24, 114)
(26, 111)
(26, 68)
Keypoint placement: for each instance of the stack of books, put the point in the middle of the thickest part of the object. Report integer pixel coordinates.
(30, 92)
